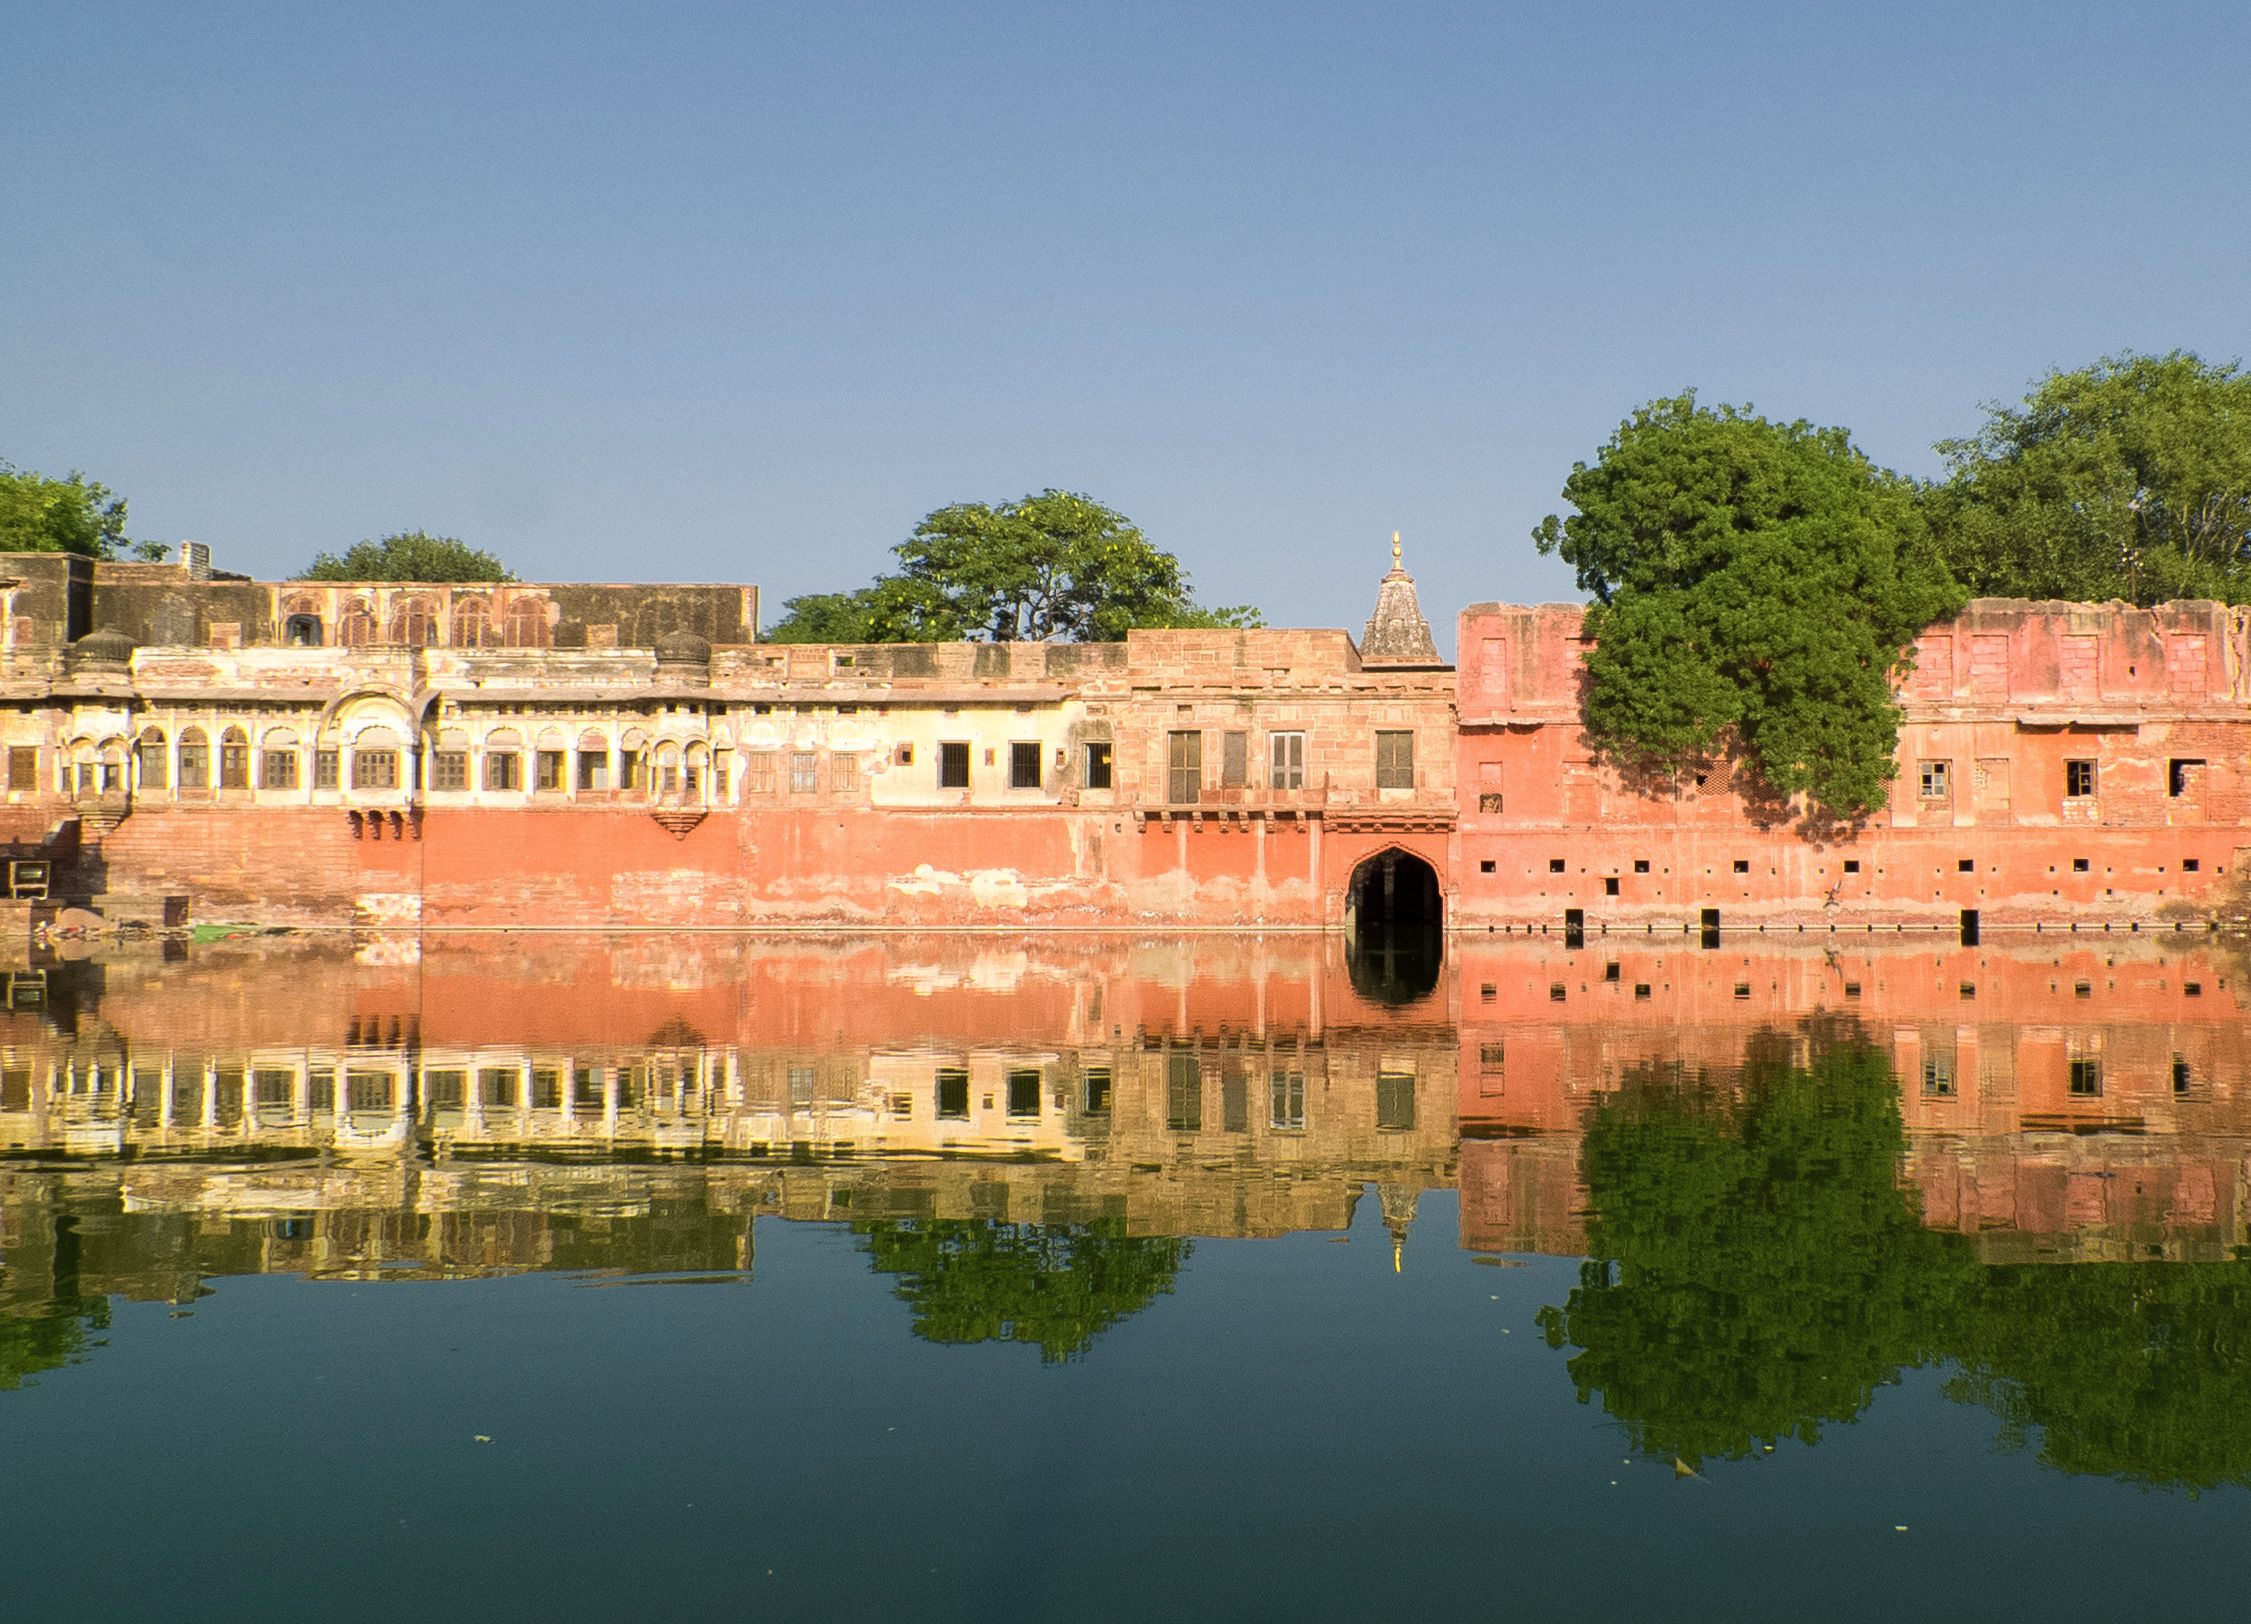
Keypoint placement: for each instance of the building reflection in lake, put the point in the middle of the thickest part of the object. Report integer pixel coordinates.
(991, 1117)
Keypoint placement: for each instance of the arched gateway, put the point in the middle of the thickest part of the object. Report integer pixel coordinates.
(1395, 926)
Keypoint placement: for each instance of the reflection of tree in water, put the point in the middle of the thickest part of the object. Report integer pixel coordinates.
(46, 1327)
(2140, 1371)
(1057, 1285)
(1756, 1271)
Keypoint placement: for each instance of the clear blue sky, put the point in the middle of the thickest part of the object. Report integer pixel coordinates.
(739, 292)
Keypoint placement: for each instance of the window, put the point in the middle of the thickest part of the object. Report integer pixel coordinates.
(23, 766)
(2078, 778)
(1023, 1094)
(153, 757)
(804, 772)
(234, 759)
(1024, 765)
(2086, 1077)
(325, 764)
(1234, 1098)
(953, 764)
(2079, 865)
(1641, 865)
(194, 760)
(1486, 865)
(1965, 865)
(1742, 865)
(953, 1093)
(1395, 1101)
(375, 769)
(1936, 780)
(2190, 865)
(1287, 753)
(1938, 1076)
(449, 769)
(1097, 1090)
(1852, 865)
(1098, 759)
(277, 769)
(1286, 1100)
(1555, 865)
(1234, 760)
(1492, 1058)
(1184, 768)
(547, 769)
(2184, 1078)
(844, 774)
(2180, 775)
(1184, 1092)
(546, 1089)
(302, 631)
(1610, 885)
(759, 775)
(593, 769)
(504, 769)
(1395, 760)
(499, 1086)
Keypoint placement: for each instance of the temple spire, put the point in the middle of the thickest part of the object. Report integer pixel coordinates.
(1397, 633)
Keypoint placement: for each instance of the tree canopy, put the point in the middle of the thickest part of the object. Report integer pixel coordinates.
(408, 555)
(1051, 566)
(2127, 479)
(69, 515)
(1055, 1285)
(1755, 585)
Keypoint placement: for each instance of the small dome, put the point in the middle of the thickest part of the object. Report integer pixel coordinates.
(683, 648)
(105, 647)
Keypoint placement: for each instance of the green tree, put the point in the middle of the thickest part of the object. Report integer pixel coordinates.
(1056, 1285)
(2127, 479)
(409, 555)
(1755, 585)
(69, 515)
(1755, 1269)
(1051, 566)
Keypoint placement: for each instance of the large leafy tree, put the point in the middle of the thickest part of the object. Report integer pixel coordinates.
(69, 515)
(2127, 479)
(1051, 566)
(408, 555)
(1755, 585)
(1055, 1285)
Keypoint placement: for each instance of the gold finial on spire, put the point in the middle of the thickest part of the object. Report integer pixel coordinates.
(1395, 564)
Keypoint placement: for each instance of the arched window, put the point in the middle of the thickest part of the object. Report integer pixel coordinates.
(195, 759)
(234, 759)
(527, 624)
(152, 755)
(472, 623)
(278, 759)
(414, 623)
(593, 760)
(357, 628)
(301, 631)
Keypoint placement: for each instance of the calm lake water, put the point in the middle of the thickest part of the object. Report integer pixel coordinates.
(1103, 1277)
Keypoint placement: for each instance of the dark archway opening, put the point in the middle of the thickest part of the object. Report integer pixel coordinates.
(1395, 919)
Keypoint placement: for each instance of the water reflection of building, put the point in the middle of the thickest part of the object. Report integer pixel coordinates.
(492, 1105)
(2068, 1096)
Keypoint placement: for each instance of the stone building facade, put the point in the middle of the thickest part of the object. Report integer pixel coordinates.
(179, 744)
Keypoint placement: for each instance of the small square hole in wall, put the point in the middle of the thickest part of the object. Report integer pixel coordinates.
(1610, 885)
(1852, 865)
(1641, 865)
(1969, 991)
(1610, 972)
(1742, 989)
(1555, 865)
(2194, 989)
(1487, 993)
(1555, 992)
(2079, 865)
(1852, 989)
(1742, 865)
(1641, 989)
(1485, 865)
(2082, 989)
(2190, 865)
(1965, 865)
